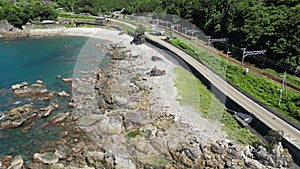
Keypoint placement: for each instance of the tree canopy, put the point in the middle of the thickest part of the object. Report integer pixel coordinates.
(256, 24)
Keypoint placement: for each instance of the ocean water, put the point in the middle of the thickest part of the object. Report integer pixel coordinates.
(34, 59)
(38, 58)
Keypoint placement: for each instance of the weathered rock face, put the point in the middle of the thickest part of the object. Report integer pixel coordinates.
(139, 39)
(5, 26)
(17, 116)
(277, 158)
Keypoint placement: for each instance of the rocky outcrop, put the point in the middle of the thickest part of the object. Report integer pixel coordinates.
(18, 86)
(8, 31)
(21, 90)
(138, 39)
(63, 94)
(9, 162)
(156, 72)
(6, 26)
(17, 116)
(46, 158)
(67, 80)
(278, 157)
(48, 110)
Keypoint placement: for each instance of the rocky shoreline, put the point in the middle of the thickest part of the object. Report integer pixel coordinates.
(7, 31)
(126, 115)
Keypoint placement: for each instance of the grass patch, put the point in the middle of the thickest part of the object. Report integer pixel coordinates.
(291, 79)
(259, 87)
(77, 16)
(125, 27)
(133, 134)
(192, 92)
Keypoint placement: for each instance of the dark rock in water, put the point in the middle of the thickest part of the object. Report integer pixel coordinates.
(17, 116)
(156, 72)
(155, 58)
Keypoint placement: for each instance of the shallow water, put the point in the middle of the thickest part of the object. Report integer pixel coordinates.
(30, 60)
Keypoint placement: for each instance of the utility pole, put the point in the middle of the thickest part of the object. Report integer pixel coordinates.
(251, 53)
(283, 86)
(216, 40)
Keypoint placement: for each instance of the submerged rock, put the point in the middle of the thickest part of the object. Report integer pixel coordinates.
(17, 116)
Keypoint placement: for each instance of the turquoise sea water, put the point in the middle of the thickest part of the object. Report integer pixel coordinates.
(30, 60)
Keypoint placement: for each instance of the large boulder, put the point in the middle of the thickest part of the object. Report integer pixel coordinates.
(46, 158)
(95, 159)
(17, 116)
(156, 72)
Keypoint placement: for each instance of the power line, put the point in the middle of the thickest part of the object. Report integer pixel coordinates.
(216, 40)
(251, 53)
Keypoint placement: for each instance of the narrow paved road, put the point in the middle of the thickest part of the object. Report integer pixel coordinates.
(291, 134)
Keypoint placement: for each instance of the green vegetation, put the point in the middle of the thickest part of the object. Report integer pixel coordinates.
(127, 28)
(20, 13)
(133, 134)
(291, 79)
(254, 24)
(192, 92)
(273, 138)
(261, 88)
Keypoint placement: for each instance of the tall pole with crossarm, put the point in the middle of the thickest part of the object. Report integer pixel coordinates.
(251, 53)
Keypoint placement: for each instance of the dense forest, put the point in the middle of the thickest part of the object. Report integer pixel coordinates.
(255, 24)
